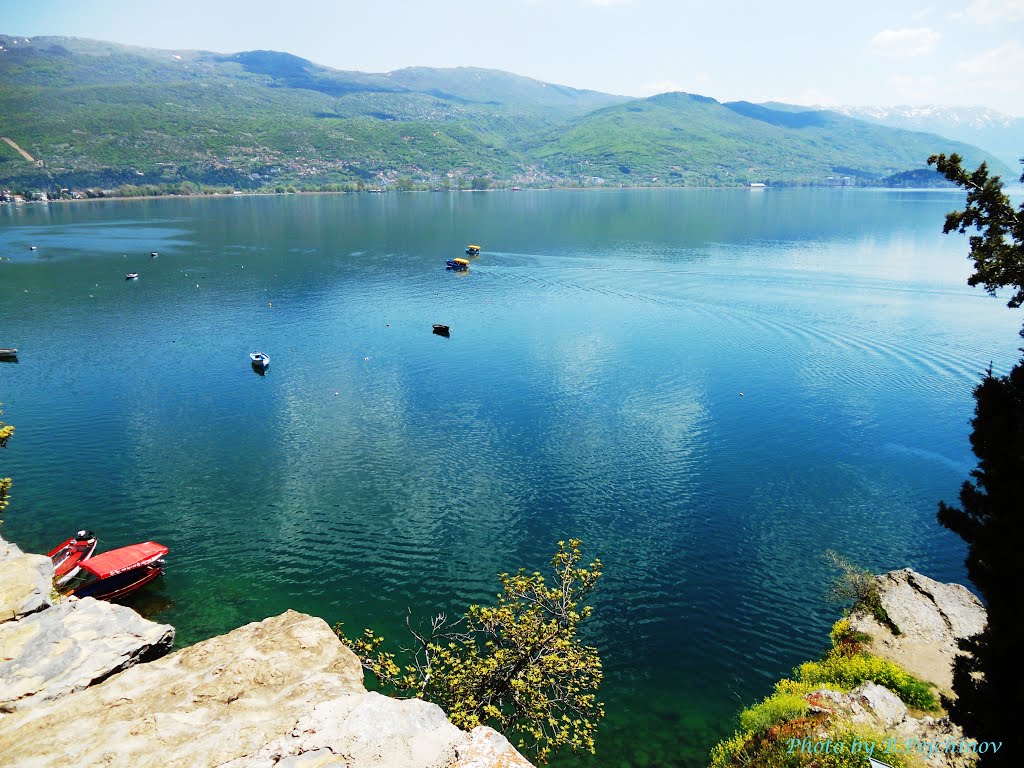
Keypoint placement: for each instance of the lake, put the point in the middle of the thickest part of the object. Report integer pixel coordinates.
(708, 387)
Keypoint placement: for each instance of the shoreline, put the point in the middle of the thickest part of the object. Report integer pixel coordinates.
(233, 195)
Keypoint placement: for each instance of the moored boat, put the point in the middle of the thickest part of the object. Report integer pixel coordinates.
(67, 557)
(459, 265)
(132, 276)
(259, 360)
(8, 353)
(442, 330)
(117, 573)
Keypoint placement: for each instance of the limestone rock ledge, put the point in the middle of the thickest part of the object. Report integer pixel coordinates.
(280, 692)
(931, 617)
(26, 582)
(71, 646)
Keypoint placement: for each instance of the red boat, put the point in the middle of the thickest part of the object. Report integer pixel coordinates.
(68, 556)
(114, 574)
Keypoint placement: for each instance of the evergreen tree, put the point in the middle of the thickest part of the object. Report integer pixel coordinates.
(989, 683)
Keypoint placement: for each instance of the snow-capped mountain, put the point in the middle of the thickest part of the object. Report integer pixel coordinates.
(997, 132)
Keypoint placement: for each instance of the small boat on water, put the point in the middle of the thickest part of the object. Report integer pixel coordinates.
(153, 254)
(114, 574)
(32, 248)
(459, 265)
(67, 557)
(132, 276)
(8, 353)
(442, 330)
(259, 360)
(473, 250)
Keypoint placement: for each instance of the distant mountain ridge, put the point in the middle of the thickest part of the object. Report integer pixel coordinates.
(104, 114)
(996, 132)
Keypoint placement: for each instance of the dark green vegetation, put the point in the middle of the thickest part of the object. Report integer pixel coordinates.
(988, 684)
(769, 729)
(102, 115)
(517, 666)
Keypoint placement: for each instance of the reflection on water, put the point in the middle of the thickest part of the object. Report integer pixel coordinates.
(710, 388)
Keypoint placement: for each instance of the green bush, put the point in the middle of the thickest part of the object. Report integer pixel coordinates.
(777, 708)
(781, 748)
(848, 670)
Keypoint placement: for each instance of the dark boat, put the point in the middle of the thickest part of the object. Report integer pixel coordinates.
(67, 557)
(442, 330)
(459, 265)
(8, 353)
(114, 574)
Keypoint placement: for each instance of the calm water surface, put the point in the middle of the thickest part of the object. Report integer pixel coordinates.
(710, 388)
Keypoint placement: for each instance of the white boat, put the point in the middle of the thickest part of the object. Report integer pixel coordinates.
(132, 276)
(259, 359)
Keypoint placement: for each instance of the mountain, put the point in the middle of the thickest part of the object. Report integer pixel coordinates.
(696, 139)
(102, 114)
(996, 132)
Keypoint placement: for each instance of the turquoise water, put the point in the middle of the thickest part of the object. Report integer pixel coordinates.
(710, 388)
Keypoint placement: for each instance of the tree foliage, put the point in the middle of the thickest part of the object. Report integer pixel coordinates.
(996, 246)
(988, 683)
(517, 666)
(859, 585)
(6, 430)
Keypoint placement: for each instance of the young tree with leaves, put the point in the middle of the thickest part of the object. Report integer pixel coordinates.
(988, 683)
(517, 666)
(6, 430)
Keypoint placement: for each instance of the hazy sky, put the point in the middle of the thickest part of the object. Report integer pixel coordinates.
(950, 52)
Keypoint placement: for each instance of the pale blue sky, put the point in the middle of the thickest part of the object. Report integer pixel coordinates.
(949, 52)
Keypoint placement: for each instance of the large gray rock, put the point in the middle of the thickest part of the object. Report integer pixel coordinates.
(71, 646)
(281, 692)
(486, 748)
(26, 582)
(867, 704)
(366, 730)
(882, 711)
(931, 618)
(214, 702)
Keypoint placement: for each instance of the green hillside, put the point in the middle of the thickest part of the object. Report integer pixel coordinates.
(680, 137)
(101, 115)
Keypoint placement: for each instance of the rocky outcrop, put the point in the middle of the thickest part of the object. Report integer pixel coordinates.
(71, 646)
(930, 617)
(26, 582)
(280, 692)
(882, 711)
(486, 748)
